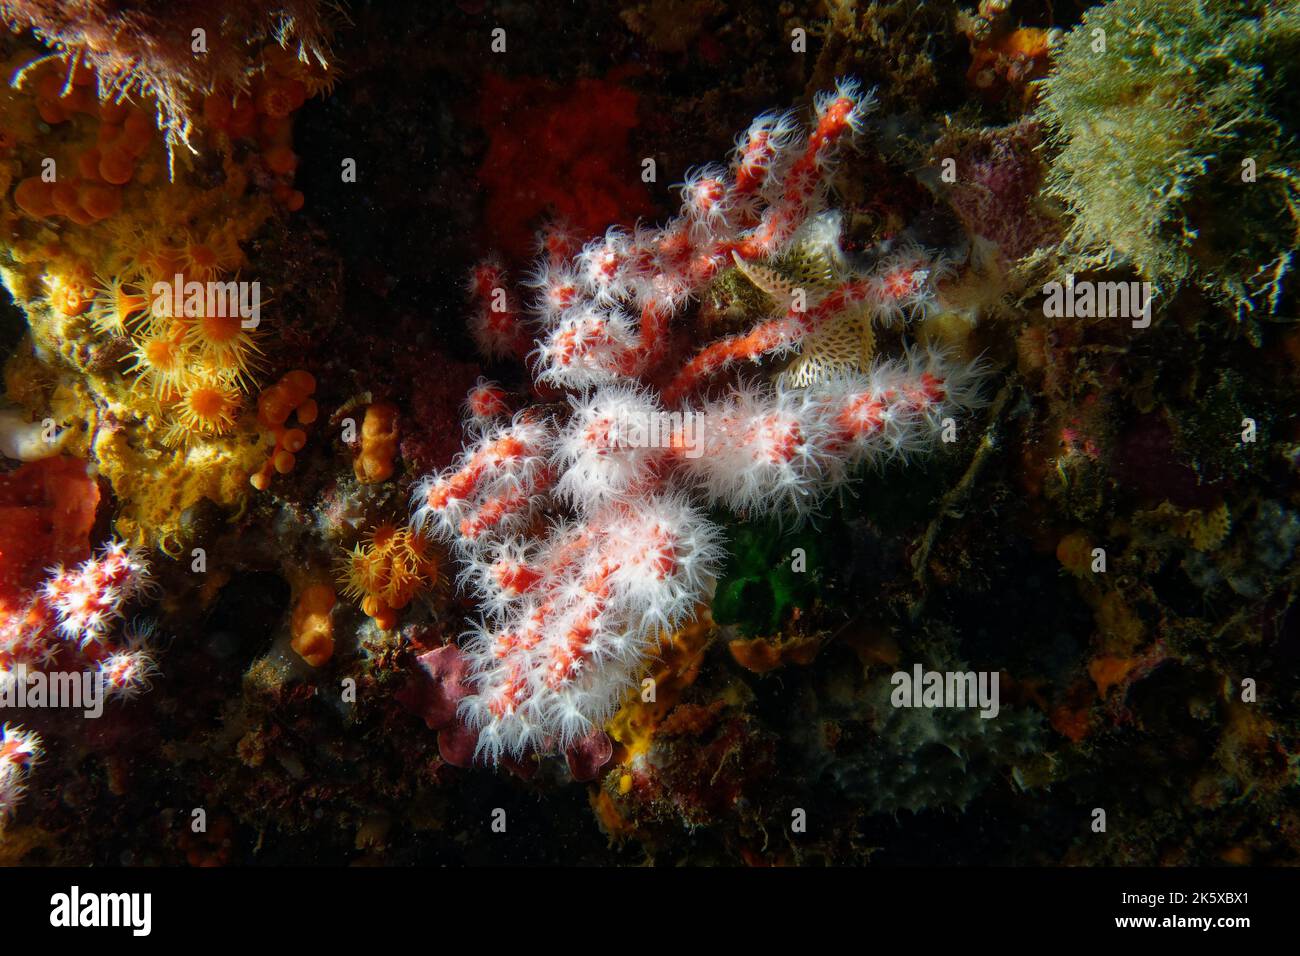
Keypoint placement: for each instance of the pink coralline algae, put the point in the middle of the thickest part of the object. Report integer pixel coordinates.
(1001, 171)
(583, 536)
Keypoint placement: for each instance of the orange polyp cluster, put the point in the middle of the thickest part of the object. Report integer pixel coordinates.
(1005, 62)
(378, 444)
(265, 114)
(72, 292)
(57, 99)
(385, 573)
(96, 223)
(277, 95)
(195, 365)
(289, 396)
(91, 191)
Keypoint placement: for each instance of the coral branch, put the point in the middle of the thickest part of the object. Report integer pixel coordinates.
(571, 612)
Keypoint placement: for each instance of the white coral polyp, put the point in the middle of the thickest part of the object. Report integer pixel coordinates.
(585, 348)
(558, 655)
(610, 445)
(494, 485)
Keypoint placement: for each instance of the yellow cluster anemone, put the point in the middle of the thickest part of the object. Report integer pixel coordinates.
(145, 335)
(387, 570)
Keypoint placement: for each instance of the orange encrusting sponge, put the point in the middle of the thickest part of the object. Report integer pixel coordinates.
(378, 444)
(288, 396)
(310, 625)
